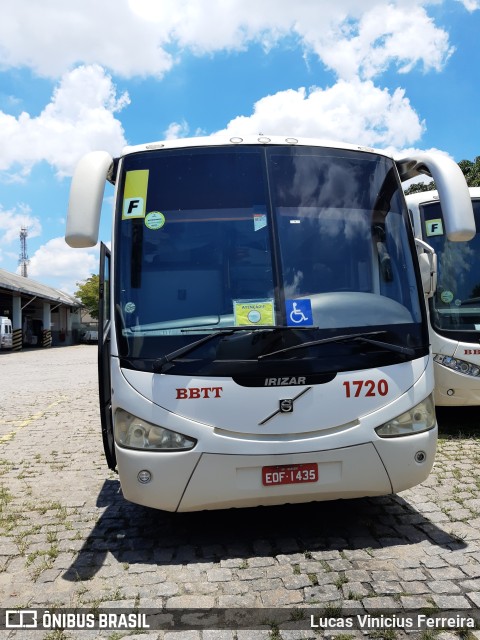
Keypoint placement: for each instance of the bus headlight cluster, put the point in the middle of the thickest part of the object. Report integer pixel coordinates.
(135, 433)
(468, 368)
(419, 418)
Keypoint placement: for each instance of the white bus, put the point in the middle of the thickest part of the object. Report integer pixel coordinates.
(263, 333)
(454, 310)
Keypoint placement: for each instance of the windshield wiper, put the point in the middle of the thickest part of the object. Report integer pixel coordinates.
(159, 363)
(362, 337)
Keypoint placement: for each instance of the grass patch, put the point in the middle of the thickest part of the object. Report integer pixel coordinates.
(313, 579)
(57, 634)
(341, 580)
(384, 634)
(5, 497)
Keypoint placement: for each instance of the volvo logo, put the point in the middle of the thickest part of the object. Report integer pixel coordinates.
(285, 406)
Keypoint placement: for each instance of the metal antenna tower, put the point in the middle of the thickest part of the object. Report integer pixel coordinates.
(23, 261)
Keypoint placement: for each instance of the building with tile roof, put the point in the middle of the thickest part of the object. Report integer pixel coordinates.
(41, 315)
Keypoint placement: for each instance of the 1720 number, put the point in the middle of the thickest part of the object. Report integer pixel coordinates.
(365, 388)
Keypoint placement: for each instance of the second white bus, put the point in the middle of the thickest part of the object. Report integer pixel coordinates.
(454, 310)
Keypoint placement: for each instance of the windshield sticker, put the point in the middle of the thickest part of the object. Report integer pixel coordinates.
(254, 312)
(446, 296)
(130, 307)
(259, 216)
(259, 221)
(154, 220)
(135, 194)
(434, 227)
(299, 312)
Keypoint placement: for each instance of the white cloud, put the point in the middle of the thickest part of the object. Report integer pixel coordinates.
(55, 262)
(385, 34)
(147, 37)
(177, 130)
(53, 36)
(79, 118)
(356, 112)
(351, 37)
(182, 130)
(11, 221)
(470, 5)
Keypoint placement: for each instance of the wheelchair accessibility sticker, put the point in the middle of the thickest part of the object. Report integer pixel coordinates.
(299, 312)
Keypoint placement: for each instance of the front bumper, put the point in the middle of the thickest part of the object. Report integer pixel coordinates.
(453, 389)
(191, 481)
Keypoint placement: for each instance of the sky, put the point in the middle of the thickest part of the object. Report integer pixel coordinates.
(83, 75)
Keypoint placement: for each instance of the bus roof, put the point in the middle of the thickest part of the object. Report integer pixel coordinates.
(408, 167)
(423, 197)
(229, 140)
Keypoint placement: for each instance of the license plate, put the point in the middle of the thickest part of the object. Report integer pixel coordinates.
(290, 474)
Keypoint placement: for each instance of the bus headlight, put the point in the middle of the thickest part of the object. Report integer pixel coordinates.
(419, 418)
(462, 366)
(135, 433)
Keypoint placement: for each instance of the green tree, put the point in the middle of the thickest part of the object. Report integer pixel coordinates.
(471, 171)
(417, 187)
(88, 294)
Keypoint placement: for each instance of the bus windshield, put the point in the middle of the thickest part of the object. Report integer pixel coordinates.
(455, 308)
(268, 247)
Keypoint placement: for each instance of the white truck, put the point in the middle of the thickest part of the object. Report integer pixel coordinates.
(5, 333)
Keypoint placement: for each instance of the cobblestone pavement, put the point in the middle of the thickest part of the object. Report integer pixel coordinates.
(69, 539)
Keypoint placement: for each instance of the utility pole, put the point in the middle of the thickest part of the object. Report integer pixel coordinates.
(23, 261)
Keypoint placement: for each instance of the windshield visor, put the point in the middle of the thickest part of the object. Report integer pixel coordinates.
(308, 239)
(455, 307)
